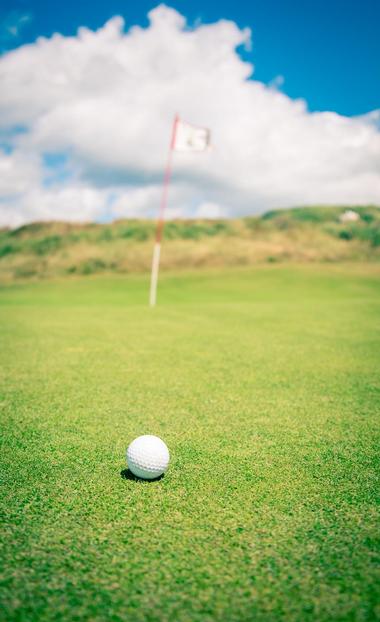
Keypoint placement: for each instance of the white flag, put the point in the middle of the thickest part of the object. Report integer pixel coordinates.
(190, 137)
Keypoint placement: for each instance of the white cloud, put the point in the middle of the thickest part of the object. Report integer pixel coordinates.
(18, 172)
(106, 99)
(210, 210)
(74, 203)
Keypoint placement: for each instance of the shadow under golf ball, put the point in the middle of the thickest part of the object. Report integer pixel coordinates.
(127, 474)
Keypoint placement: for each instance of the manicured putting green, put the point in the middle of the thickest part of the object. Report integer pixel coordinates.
(264, 384)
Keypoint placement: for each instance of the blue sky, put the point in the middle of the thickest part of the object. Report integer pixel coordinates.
(328, 52)
(86, 115)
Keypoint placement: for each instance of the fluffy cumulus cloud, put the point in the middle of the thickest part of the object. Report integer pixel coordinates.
(85, 124)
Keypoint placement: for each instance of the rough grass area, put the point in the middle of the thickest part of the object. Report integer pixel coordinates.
(307, 234)
(263, 382)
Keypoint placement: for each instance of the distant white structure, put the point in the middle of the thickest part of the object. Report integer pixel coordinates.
(349, 216)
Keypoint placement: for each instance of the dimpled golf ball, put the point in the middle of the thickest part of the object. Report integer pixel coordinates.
(148, 457)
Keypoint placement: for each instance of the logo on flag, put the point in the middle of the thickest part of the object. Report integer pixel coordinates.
(191, 137)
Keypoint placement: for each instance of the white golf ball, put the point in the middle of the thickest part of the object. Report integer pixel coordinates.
(148, 456)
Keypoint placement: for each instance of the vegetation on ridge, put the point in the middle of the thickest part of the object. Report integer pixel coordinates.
(299, 234)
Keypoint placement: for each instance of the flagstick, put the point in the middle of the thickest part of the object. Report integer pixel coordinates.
(160, 222)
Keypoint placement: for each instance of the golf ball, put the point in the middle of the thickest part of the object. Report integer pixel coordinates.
(148, 456)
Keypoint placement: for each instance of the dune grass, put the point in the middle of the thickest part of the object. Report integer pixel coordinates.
(307, 234)
(264, 384)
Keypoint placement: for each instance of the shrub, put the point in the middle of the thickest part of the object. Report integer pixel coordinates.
(313, 215)
(90, 266)
(367, 217)
(269, 215)
(194, 230)
(375, 237)
(106, 235)
(7, 249)
(31, 228)
(346, 234)
(47, 245)
(26, 271)
(140, 233)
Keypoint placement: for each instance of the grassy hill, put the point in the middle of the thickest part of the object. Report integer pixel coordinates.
(305, 234)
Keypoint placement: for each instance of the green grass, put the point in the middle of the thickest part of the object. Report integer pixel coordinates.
(264, 384)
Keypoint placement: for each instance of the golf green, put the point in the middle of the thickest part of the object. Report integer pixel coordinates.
(264, 384)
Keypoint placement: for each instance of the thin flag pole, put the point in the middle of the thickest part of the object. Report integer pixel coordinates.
(161, 216)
